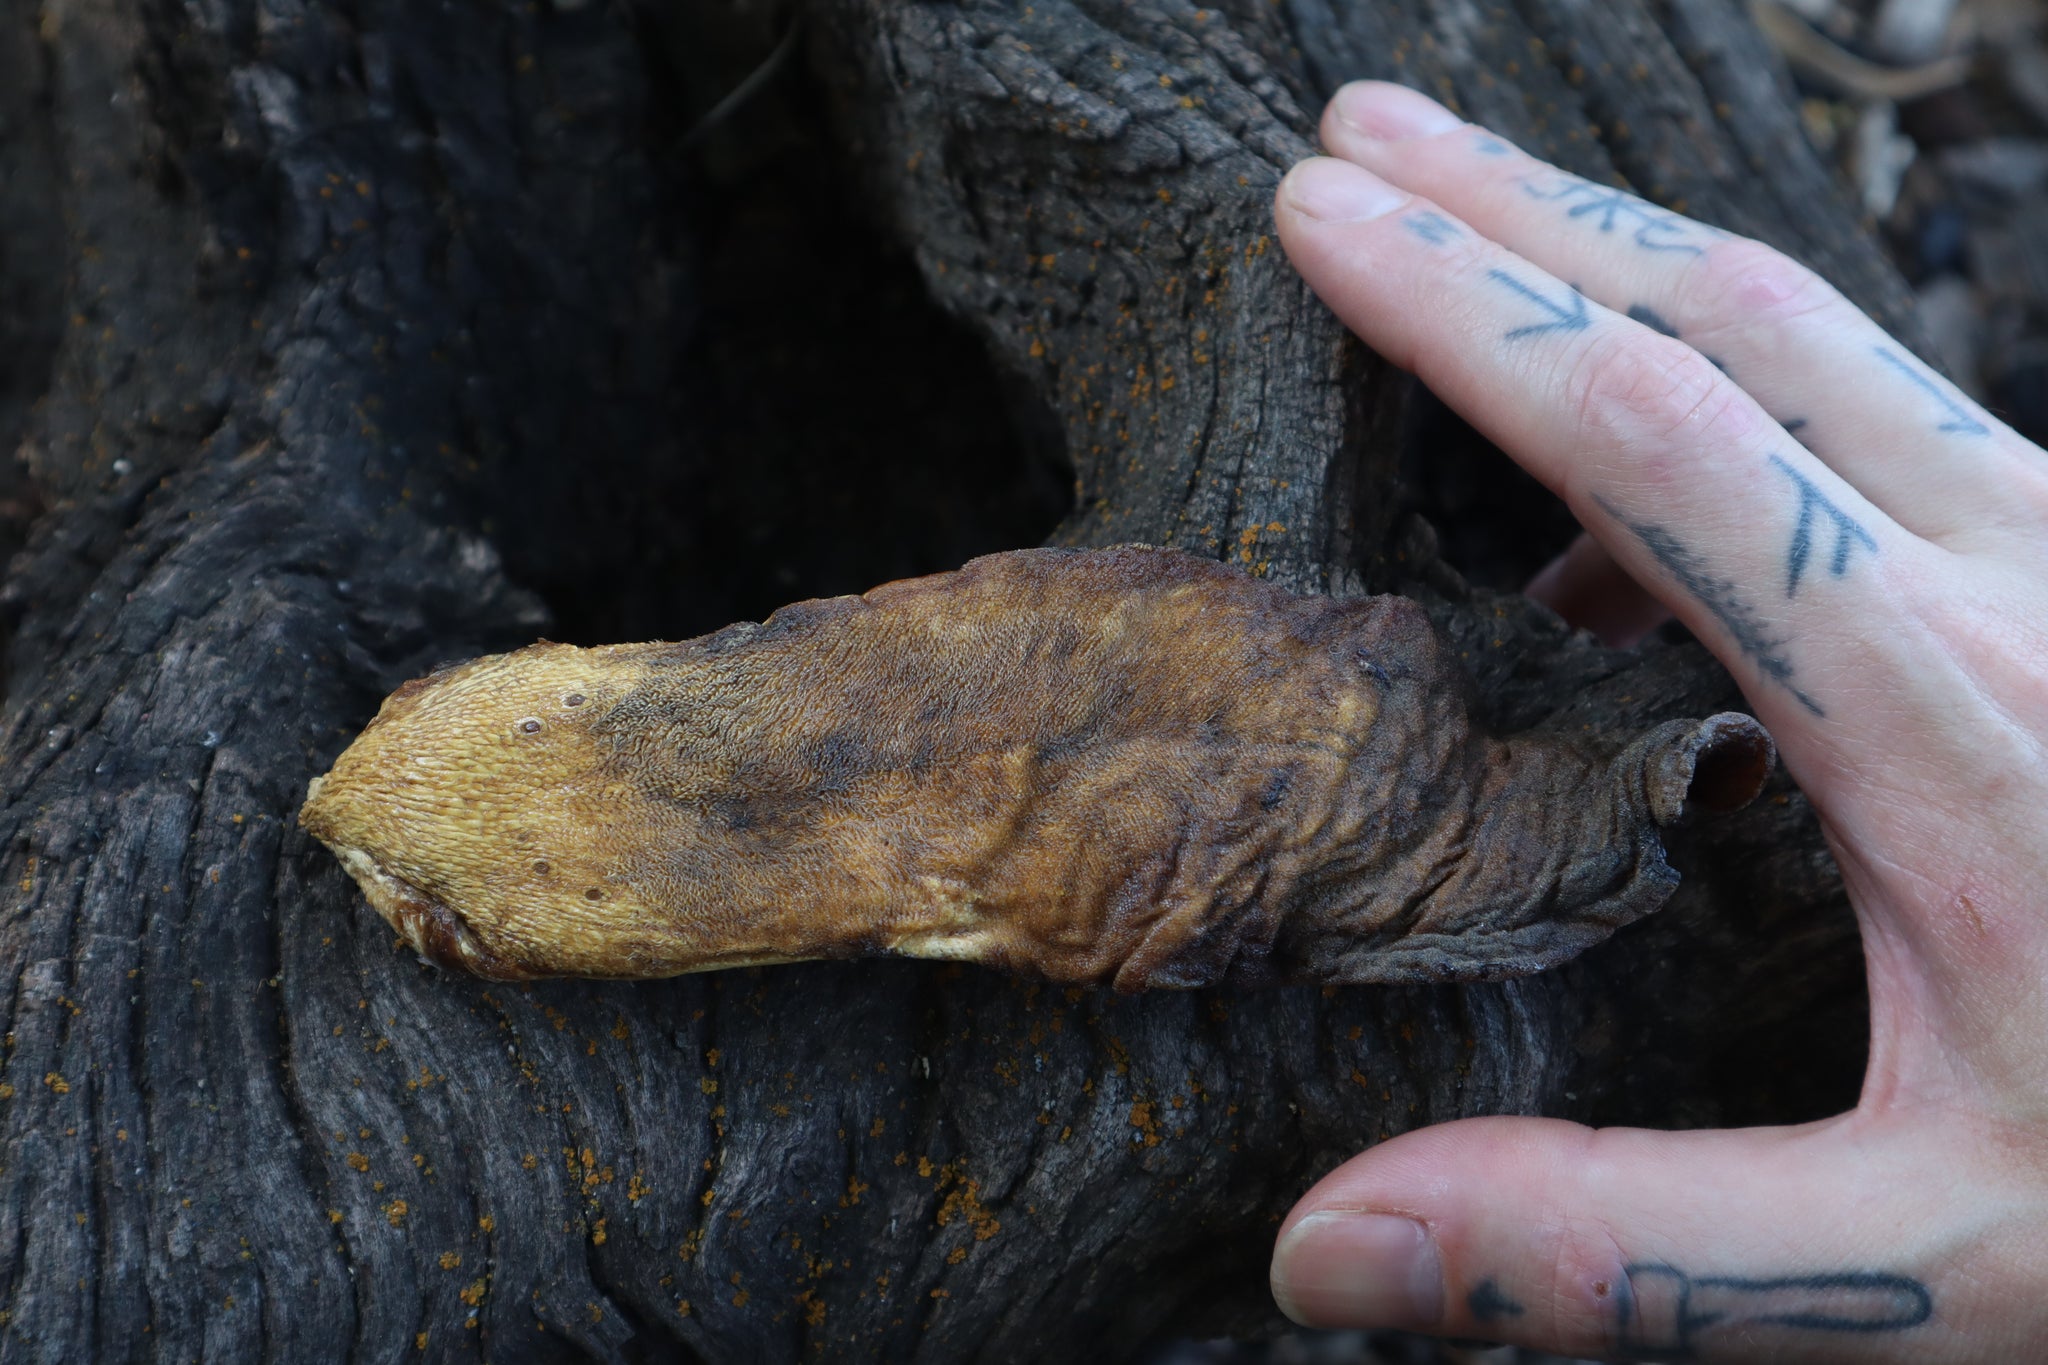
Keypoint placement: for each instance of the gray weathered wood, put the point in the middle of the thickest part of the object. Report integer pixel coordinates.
(395, 333)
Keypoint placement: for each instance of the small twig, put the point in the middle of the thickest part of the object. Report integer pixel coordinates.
(1819, 58)
(748, 88)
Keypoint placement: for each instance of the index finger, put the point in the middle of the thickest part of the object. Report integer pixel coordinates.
(1760, 548)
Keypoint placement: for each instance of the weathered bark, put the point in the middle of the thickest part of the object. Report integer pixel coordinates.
(384, 335)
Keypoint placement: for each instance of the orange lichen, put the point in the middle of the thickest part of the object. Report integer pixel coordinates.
(1143, 1118)
(964, 1203)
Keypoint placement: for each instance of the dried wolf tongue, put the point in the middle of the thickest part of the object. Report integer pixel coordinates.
(1129, 765)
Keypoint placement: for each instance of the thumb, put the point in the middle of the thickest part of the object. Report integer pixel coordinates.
(1792, 1243)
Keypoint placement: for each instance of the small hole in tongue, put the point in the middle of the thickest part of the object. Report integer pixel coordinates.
(1731, 764)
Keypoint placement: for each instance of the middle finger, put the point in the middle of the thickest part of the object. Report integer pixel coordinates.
(1908, 439)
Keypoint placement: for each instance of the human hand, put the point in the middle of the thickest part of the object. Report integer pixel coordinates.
(1878, 585)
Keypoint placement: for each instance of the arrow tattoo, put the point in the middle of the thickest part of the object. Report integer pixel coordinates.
(1848, 531)
(1562, 319)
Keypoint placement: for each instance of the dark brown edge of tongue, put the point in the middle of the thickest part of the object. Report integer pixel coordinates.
(439, 934)
(1719, 764)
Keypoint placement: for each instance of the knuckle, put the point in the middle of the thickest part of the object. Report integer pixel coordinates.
(2027, 511)
(1635, 390)
(1744, 283)
(1588, 1281)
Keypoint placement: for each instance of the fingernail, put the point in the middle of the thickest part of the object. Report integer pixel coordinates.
(1392, 113)
(1338, 192)
(1359, 1270)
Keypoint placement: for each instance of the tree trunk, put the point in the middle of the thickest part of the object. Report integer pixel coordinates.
(342, 341)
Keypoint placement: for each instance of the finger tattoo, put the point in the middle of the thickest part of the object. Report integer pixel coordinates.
(1662, 1310)
(1487, 1303)
(1849, 532)
(1609, 208)
(1722, 599)
(1560, 317)
(1959, 419)
(1431, 227)
(1652, 319)
(1656, 322)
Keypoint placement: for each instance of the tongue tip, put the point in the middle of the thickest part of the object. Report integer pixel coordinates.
(433, 927)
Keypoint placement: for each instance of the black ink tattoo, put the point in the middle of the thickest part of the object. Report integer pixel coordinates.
(1561, 318)
(1431, 227)
(1490, 146)
(1663, 1312)
(1652, 319)
(1959, 419)
(1793, 425)
(1720, 596)
(1487, 1303)
(1848, 531)
(1654, 229)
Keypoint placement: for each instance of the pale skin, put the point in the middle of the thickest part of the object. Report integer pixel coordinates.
(1867, 551)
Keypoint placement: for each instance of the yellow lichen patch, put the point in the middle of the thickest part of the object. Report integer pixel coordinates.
(964, 1203)
(1144, 1118)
